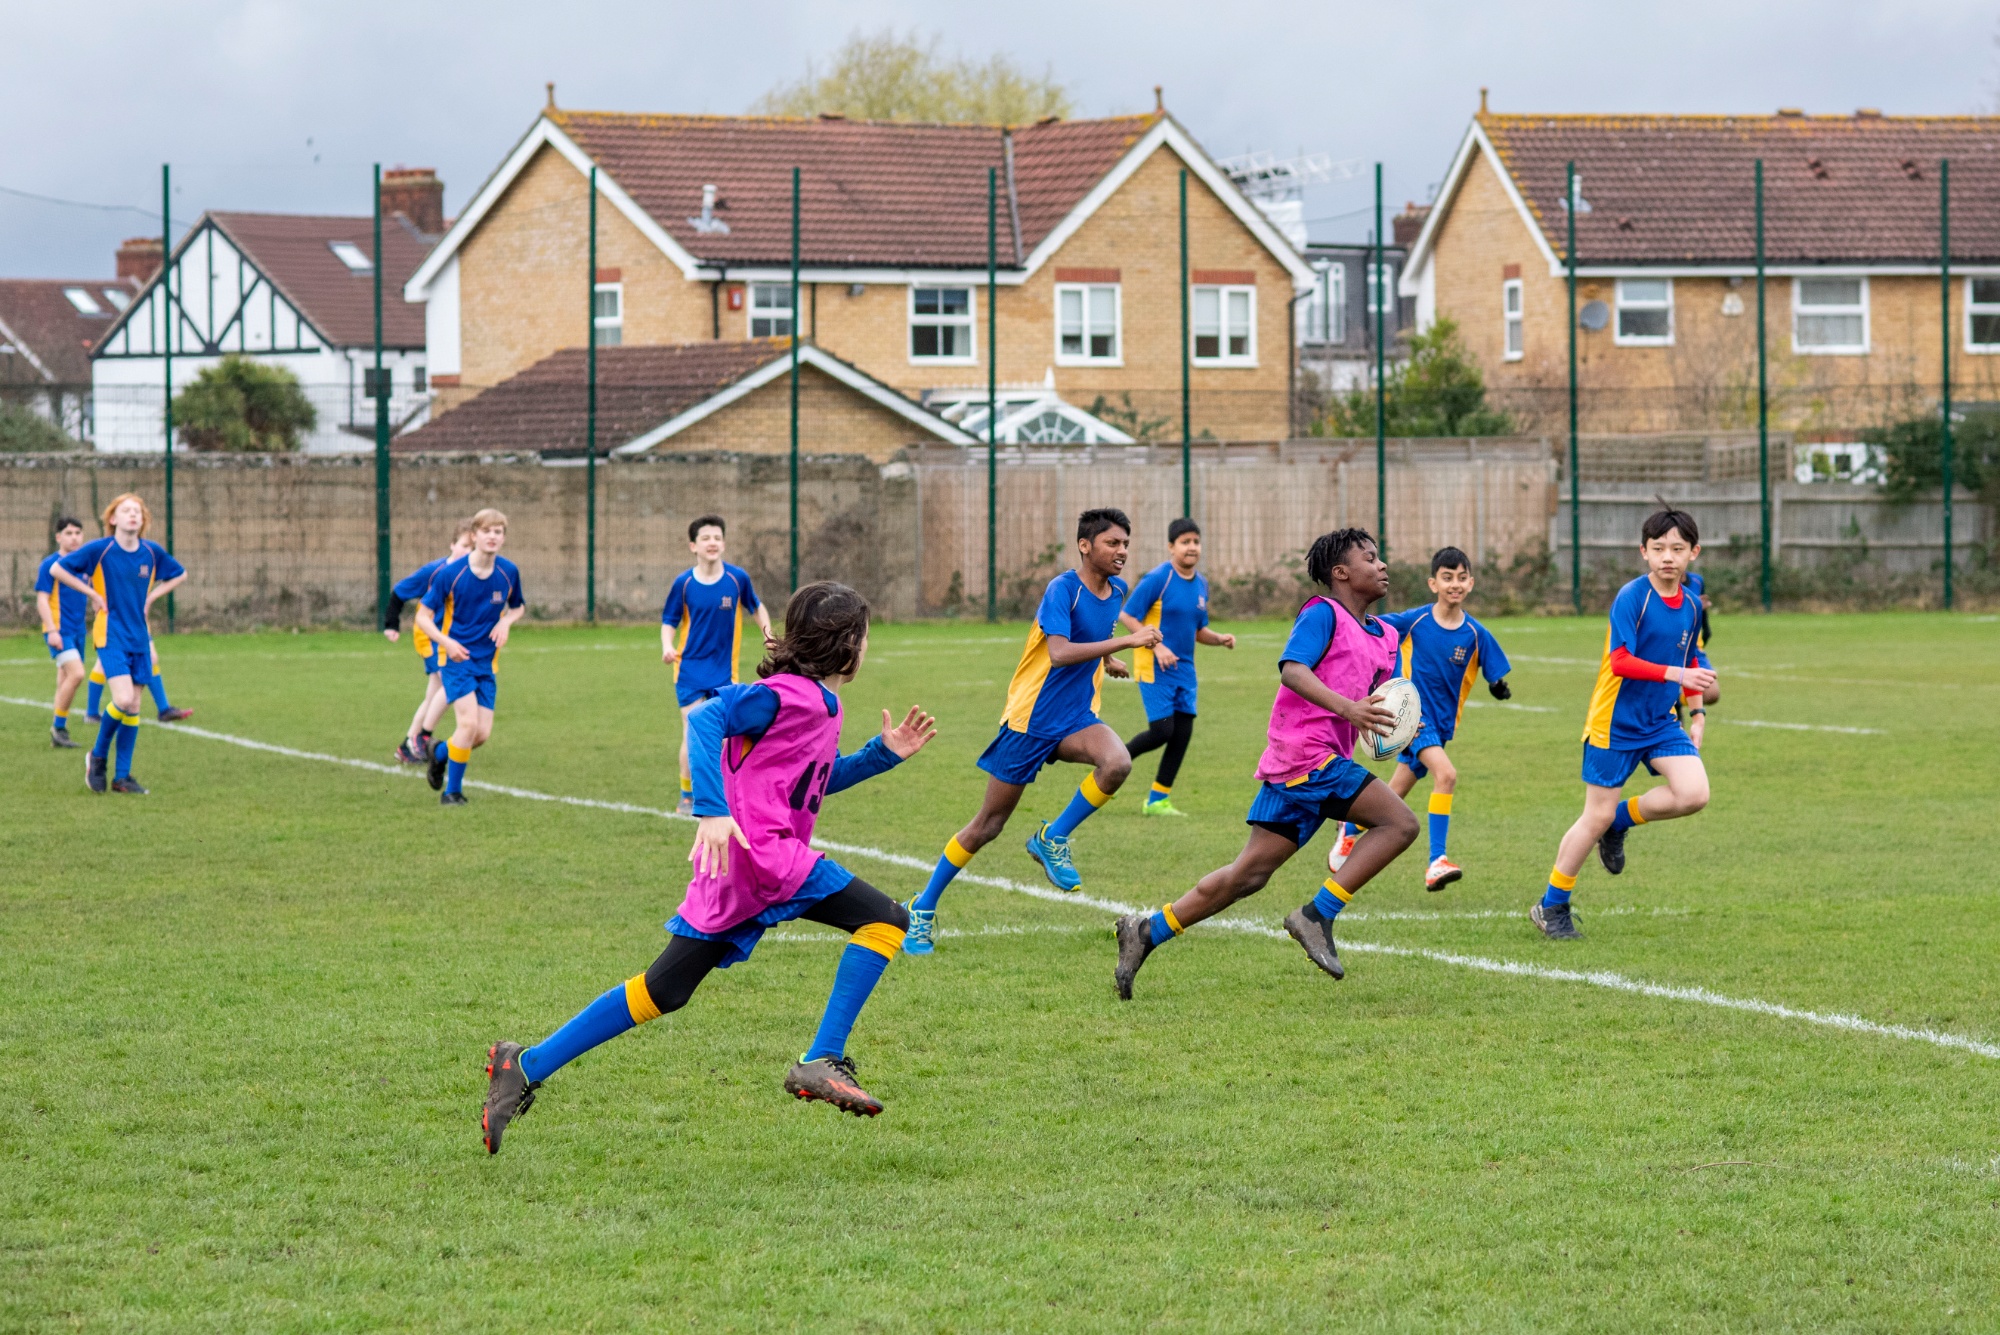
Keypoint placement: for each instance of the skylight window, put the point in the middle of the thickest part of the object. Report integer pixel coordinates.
(82, 301)
(351, 255)
(117, 298)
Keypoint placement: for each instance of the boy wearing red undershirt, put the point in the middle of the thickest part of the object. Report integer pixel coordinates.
(1649, 662)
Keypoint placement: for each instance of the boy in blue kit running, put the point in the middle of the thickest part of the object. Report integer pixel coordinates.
(415, 748)
(701, 629)
(1650, 662)
(1051, 715)
(1173, 598)
(1443, 651)
(64, 614)
(469, 609)
(125, 574)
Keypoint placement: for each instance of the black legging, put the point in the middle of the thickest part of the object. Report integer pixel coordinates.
(1172, 733)
(687, 959)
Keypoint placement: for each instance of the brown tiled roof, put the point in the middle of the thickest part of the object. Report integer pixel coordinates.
(291, 248)
(36, 313)
(1678, 189)
(873, 192)
(638, 388)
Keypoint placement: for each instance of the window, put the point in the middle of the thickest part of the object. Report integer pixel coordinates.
(608, 314)
(1087, 324)
(1323, 315)
(1512, 319)
(1982, 314)
(1382, 294)
(1645, 312)
(1224, 327)
(770, 310)
(350, 254)
(941, 322)
(116, 296)
(1829, 315)
(417, 382)
(82, 301)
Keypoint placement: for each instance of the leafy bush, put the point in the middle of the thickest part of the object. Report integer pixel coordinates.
(1913, 455)
(243, 406)
(1437, 390)
(24, 431)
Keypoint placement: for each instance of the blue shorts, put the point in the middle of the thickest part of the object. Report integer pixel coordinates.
(1166, 696)
(69, 646)
(1604, 768)
(1296, 810)
(1427, 736)
(472, 677)
(1016, 757)
(119, 660)
(431, 662)
(694, 695)
(825, 879)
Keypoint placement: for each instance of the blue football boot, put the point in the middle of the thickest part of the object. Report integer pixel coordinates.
(1052, 851)
(918, 940)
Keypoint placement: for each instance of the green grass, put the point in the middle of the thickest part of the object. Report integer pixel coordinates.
(242, 1024)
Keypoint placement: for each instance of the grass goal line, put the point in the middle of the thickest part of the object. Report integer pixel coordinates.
(1508, 968)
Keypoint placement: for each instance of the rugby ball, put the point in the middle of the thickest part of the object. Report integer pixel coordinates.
(1399, 697)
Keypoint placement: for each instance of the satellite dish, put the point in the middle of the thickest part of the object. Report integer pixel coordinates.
(1594, 315)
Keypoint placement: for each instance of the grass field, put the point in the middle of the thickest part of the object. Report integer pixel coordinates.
(242, 1024)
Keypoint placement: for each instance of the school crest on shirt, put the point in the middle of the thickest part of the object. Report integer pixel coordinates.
(1201, 602)
(498, 596)
(145, 570)
(727, 602)
(1458, 656)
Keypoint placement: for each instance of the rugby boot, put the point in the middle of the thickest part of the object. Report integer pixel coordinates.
(509, 1092)
(1555, 922)
(923, 924)
(435, 774)
(93, 773)
(1316, 935)
(1052, 851)
(60, 739)
(1443, 871)
(831, 1080)
(1135, 942)
(423, 748)
(1163, 807)
(685, 807)
(175, 715)
(128, 784)
(451, 799)
(1611, 850)
(405, 755)
(1337, 856)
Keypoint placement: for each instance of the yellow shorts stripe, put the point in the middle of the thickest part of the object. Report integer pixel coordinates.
(639, 1000)
(881, 938)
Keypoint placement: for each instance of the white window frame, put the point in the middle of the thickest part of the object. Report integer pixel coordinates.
(1979, 308)
(969, 321)
(1380, 293)
(615, 323)
(1223, 292)
(352, 256)
(1084, 358)
(1323, 316)
(1619, 303)
(1838, 350)
(750, 310)
(1513, 320)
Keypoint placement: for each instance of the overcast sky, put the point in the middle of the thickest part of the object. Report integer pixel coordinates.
(284, 106)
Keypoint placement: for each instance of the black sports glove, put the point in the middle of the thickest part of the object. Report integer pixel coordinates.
(1501, 690)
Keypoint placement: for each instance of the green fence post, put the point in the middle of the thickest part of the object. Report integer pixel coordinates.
(1763, 411)
(165, 298)
(992, 391)
(795, 379)
(1575, 482)
(1187, 351)
(1944, 279)
(1381, 386)
(381, 424)
(590, 427)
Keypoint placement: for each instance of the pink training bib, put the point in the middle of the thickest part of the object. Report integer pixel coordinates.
(1304, 736)
(773, 787)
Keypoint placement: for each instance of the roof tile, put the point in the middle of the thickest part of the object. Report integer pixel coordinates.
(292, 249)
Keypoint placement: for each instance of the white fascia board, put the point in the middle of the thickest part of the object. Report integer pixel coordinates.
(1475, 142)
(544, 133)
(809, 355)
(1778, 270)
(778, 273)
(13, 339)
(1172, 136)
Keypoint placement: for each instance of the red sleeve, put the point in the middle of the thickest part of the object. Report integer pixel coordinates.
(1638, 669)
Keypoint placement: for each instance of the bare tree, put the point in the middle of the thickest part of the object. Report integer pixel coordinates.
(887, 77)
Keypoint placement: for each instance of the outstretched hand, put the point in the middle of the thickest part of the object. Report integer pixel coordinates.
(710, 854)
(910, 736)
(1117, 667)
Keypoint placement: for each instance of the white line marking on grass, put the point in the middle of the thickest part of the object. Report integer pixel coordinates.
(1596, 978)
(1798, 727)
(1509, 704)
(1394, 915)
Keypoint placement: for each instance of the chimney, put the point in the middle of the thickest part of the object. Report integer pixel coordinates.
(417, 194)
(1406, 225)
(138, 258)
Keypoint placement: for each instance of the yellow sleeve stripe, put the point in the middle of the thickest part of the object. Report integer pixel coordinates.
(879, 937)
(639, 1000)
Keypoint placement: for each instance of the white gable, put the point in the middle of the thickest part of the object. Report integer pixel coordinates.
(219, 302)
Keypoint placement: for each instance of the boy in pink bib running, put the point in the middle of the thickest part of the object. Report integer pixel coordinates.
(765, 756)
(1331, 665)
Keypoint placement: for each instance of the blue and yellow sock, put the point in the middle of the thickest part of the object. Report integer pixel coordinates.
(1160, 793)
(861, 967)
(1165, 925)
(623, 1007)
(1440, 823)
(107, 733)
(93, 706)
(1627, 815)
(950, 865)
(1088, 798)
(62, 721)
(687, 788)
(1331, 899)
(454, 771)
(128, 737)
(158, 686)
(1560, 884)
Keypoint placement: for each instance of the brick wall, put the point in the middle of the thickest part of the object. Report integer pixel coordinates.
(833, 419)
